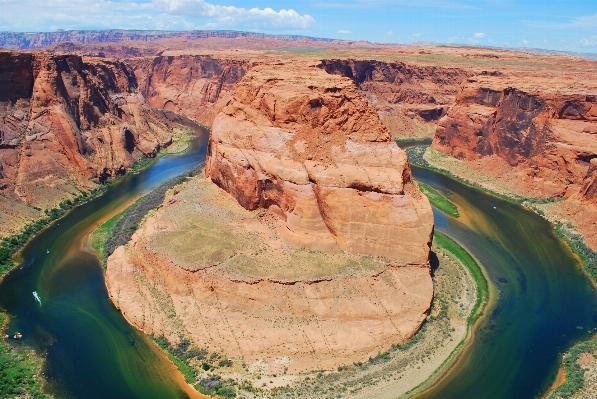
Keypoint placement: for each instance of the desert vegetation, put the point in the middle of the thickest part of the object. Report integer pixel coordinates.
(19, 369)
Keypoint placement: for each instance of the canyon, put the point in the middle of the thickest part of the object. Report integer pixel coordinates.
(306, 243)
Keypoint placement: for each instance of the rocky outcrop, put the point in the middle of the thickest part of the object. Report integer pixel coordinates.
(195, 86)
(409, 99)
(68, 120)
(547, 135)
(205, 269)
(305, 145)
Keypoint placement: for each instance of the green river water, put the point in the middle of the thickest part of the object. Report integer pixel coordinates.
(543, 302)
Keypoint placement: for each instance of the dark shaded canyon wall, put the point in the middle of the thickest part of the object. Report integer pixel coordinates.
(195, 86)
(548, 135)
(409, 99)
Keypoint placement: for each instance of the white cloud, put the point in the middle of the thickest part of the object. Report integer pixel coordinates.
(43, 15)
(589, 41)
(586, 21)
(479, 35)
(390, 32)
(524, 42)
(416, 34)
(237, 17)
(342, 31)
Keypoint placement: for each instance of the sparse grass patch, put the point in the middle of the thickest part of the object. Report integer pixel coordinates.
(438, 200)
(452, 246)
(575, 373)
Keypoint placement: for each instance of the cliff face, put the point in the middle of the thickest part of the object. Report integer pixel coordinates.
(305, 145)
(196, 86)
(67, 120)
(548, 136)
(409, 99)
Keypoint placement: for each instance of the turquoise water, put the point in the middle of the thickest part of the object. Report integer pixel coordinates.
(544, 301)
(91, 351)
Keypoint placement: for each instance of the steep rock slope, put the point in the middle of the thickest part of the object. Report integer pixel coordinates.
(409, 99)
(549, 136)
(67, 121)
(196, 86)
(305, 145)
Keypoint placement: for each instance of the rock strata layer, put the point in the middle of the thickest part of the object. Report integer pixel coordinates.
(305, 145)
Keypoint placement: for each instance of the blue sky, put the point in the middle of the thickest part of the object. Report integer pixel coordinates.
(548, 24)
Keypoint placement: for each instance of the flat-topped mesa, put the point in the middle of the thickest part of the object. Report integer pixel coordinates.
(305, 145)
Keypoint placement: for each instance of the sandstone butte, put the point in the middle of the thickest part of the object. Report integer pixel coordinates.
(305, 145)
(286, 288)
(67, 121)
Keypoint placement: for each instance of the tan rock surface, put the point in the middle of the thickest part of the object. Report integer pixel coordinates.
(305, 145)
(204, 268)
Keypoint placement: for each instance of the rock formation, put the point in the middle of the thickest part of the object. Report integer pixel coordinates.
(408, 98)
(545, 134)
(286, 288)
(305, 145)
(205, 269)
(65, 121)
(195, 86)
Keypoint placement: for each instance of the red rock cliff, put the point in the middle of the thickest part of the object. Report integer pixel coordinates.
(195, 86)
(67, 120)
(547, 134)
(305, 145)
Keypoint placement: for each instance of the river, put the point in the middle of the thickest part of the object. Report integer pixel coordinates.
(90, 349)
(543, 302)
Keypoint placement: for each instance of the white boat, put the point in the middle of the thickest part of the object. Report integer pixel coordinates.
(37, 298)
(47, 251)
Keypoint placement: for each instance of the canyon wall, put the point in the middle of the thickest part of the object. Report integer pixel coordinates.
(305, 145)
(195, 86)
(408, 98)
(548, 136)
(66, 121)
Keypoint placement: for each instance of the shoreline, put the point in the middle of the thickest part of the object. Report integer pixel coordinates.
(484, 303)
(564, 230)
